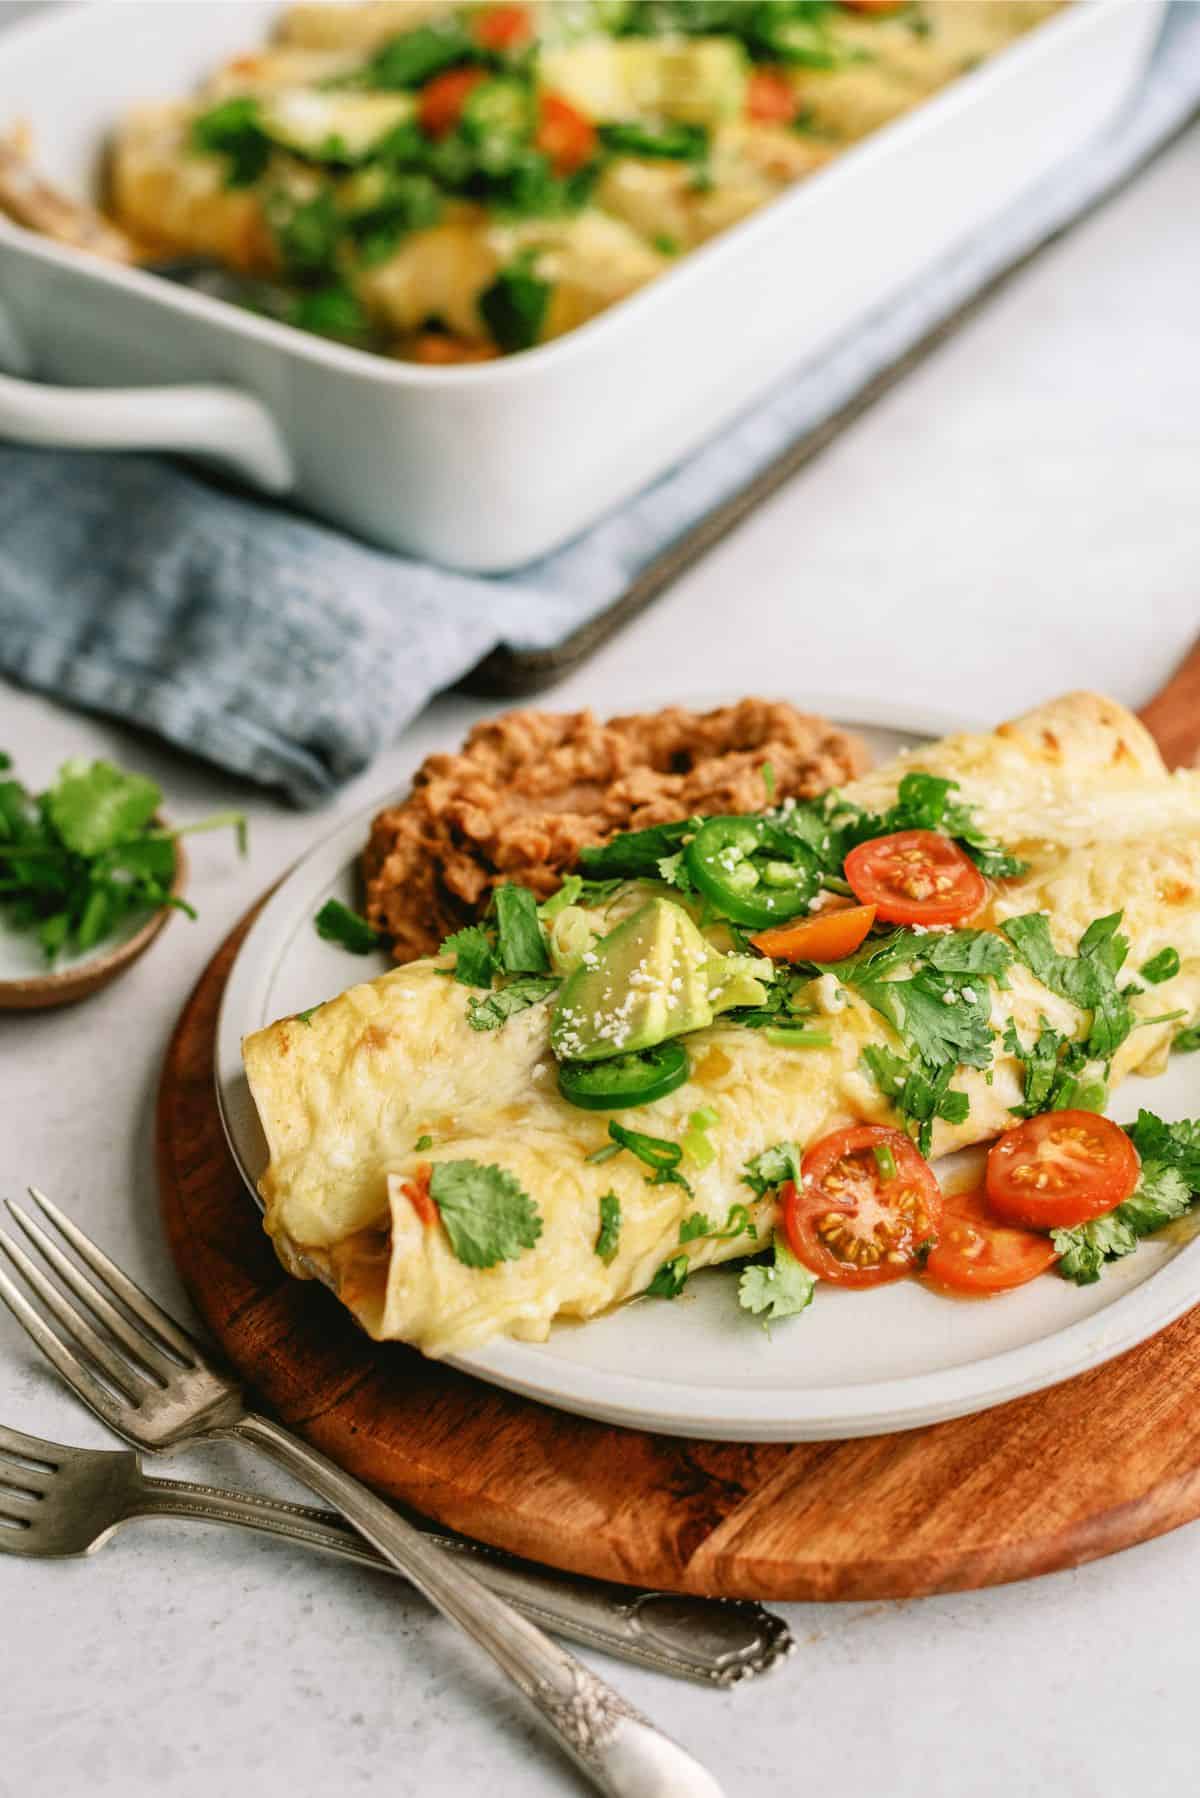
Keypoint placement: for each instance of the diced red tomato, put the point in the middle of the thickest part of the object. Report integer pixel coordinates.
(770, 97)
(503, 27)
(1060, 1169)
(916, 877)
(441, 101)
(975, 1253)
(830, 936)
(866, 1202)
(416, 1191)
(564, 134)
(880, 6)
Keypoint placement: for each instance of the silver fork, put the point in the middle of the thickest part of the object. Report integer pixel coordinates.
(57, 1501)
(151, 1382)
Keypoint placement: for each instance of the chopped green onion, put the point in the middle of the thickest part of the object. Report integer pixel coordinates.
(802, 1038)
(885, 1161)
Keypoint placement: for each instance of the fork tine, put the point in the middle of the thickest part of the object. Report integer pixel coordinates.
(139, 1302)
(28, 1448)
(125, 1378)
(73, 1371)
(21, 1479)
(135, 1343)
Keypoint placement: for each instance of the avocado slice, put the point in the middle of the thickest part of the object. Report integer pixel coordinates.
(647, 980)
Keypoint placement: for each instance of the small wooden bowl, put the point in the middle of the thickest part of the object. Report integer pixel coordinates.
(38, 992)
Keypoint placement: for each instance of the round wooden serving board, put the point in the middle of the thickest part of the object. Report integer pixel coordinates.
(1067, 1475)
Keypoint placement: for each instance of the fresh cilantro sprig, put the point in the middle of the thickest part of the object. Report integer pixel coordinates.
(636, 854)
(670, 1279)
(508, 946)
(1174, 1145)
(336, 923)
(1058, 1072)
(782, 1287)
(919, 1093)
(764, 1172)
(1088, 979)
(488, 1215)
(78, 859)
(1162, 1195)
(1168, 1186)
(518, 994)
(934, 992)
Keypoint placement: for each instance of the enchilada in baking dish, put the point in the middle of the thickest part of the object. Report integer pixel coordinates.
(451, 183)
(744, 1038)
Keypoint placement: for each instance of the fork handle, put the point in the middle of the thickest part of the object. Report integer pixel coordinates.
(612, 1744)
(716, 1641)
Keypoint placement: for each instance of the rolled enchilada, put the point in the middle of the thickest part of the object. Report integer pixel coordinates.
(395, 1076)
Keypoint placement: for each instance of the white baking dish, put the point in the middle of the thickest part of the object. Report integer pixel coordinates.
(487, 467)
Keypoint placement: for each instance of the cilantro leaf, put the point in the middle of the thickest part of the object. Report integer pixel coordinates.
(635, 854)
(942, 1011)
(1162, 1195)
(1058, 1072)
(338, 924)
(919, 1093)
(674, 870)
(764, 1172)
(781, 1289)
(518, 995)
(1188, 1041)
(1176, 1145)
(521, 946)
(670, 1279)
(608, 1237)
(1088, 980)
(87, 853)
(94, 806)
(474, 957)
(488, 1215)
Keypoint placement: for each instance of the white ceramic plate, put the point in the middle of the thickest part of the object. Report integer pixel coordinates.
(855, 1364)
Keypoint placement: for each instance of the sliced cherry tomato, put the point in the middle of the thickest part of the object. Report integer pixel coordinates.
(830, 936)
(916, 877)
(564, 134)
(624, 1080)
(770, 97)
(976, 1253)
(1060, 1169)
(880, 6)
(866, 1202)
(503, 27)
(441, 101)
(416, 1191)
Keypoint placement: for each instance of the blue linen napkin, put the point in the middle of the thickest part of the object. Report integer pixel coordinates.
(287, 652)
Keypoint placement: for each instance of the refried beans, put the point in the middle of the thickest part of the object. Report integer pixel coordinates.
(529, 790)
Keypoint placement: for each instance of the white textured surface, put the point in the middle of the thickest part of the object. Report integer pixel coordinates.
(1018, 518)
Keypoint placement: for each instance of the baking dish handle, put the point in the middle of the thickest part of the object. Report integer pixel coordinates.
(209, 420)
